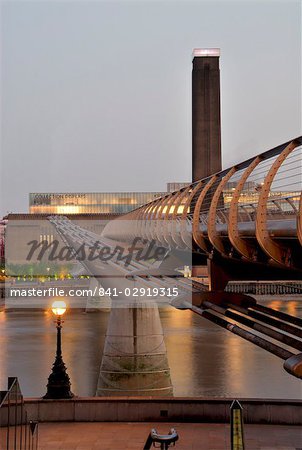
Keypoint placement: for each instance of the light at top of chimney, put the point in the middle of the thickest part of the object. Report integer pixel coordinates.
(206, 52)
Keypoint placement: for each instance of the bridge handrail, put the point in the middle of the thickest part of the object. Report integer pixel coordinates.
(260, 189)
(242, 165)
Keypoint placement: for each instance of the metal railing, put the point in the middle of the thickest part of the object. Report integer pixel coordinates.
(17, 432)
(251, 210)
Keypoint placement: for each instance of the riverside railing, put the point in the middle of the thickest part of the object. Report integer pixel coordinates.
(17, 432)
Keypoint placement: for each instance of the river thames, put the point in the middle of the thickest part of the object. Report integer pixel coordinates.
(204, 359)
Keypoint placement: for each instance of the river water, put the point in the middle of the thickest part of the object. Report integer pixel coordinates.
(204, 359)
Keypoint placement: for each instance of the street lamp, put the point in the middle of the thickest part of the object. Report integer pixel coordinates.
(58, 385)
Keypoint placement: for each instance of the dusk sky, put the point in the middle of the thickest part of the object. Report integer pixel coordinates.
(96, 96)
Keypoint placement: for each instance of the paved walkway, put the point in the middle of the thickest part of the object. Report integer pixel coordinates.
(192, 436)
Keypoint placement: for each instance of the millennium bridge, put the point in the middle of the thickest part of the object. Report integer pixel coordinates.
(243, 223)
(250, 213)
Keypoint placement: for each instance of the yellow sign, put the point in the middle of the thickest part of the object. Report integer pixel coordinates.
(237, 438)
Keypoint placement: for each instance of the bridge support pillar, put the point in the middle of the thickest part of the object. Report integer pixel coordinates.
(218, 277)
(134, 359)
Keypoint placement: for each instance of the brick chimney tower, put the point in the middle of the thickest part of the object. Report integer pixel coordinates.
(206, 129)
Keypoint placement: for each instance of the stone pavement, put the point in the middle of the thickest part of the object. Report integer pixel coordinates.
(192, 436)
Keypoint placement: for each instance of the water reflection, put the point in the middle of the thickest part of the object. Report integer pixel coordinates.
(30, 341)
(293, 307)
(204, 360)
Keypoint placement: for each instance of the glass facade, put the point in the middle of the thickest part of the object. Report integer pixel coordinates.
(92, 203)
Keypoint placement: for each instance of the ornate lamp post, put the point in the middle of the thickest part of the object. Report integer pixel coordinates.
(58, 385)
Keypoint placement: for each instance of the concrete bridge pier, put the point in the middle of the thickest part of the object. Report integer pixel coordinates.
(134, 359)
